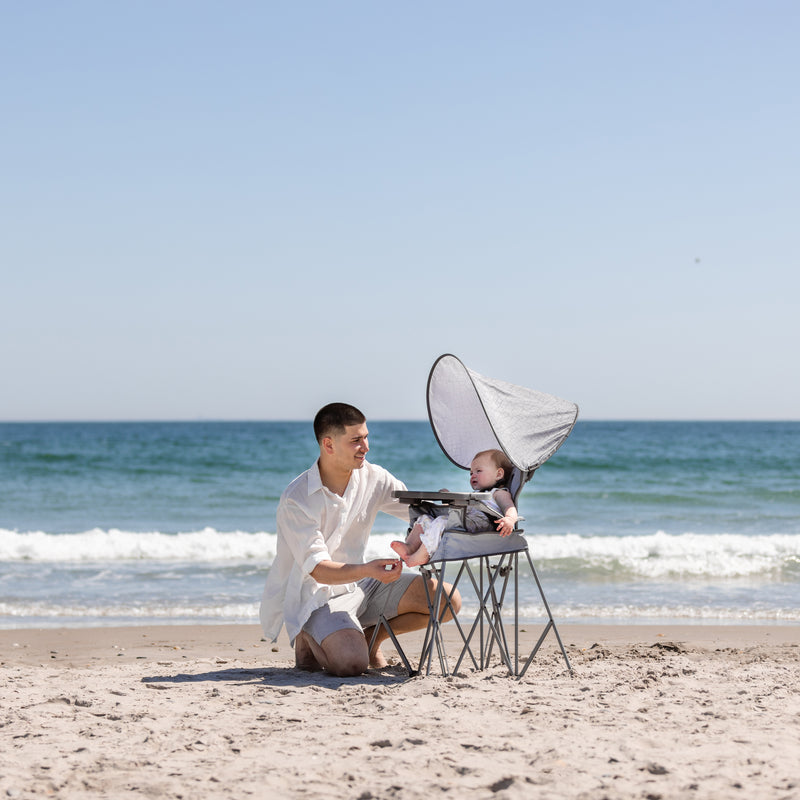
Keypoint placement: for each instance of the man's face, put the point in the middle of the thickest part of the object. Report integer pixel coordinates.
(350, 448)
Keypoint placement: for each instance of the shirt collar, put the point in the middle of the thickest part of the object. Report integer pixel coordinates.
(314, 479)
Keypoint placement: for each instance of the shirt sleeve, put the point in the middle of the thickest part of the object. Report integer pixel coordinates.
(302, 535)
(391, 505)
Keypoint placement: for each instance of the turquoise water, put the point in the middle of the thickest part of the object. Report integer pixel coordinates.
(119, 523)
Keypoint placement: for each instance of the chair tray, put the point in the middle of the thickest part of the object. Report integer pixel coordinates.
(448, 498)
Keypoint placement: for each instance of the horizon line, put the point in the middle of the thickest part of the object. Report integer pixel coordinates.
(230, 420)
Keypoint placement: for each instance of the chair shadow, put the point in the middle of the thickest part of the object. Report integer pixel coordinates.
(282, 676)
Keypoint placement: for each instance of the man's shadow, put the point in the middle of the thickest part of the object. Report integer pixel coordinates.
(281, 677)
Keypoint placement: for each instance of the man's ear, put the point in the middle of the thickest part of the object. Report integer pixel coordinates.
(327, 444)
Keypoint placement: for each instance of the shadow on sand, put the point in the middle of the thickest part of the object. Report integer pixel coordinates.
(281, 676)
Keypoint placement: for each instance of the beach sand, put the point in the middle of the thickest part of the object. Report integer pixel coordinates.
(216, 712)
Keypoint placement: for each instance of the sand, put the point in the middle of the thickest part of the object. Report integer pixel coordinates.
(216, 712)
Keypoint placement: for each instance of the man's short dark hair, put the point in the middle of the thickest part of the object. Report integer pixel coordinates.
(331, 420)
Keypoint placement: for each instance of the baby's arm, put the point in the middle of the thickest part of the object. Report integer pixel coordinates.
(505, 525)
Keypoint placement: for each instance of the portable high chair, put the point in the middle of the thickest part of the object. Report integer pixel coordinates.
(470, 413)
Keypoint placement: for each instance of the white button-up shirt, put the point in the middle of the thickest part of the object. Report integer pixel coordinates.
(315, 525)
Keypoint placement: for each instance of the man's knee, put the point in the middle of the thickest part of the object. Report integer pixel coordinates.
(418, 597)
(346, 653)
(451, 601)
(349, 666)
(455, 598)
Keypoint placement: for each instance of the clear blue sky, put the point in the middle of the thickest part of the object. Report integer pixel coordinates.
(245, 210)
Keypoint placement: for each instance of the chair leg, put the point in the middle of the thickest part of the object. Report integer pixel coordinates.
(437, 627)
(477, 623)
(550, 624)
(433, 633)
(383, 622)
(493, 619)
(516, 613)
(456, 621)
(501, 570)
(496, 621)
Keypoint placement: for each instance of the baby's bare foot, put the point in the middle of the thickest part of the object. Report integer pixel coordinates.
(401, 548)
(421, 556)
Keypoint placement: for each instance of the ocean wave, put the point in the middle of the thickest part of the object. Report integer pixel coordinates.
(207, 545)
(661, 613)
(111, 614)
(663, 555)
(656, 556)
(24, 614)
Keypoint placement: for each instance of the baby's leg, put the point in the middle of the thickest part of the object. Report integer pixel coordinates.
(411, 544)
(414, 551)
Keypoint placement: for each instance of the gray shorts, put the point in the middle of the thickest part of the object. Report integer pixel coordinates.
(359, 609)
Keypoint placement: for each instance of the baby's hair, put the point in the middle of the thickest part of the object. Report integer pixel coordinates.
(500, 460)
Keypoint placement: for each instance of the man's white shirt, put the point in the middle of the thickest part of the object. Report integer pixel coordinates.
(315, 525)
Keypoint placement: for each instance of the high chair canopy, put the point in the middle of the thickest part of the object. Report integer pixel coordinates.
(470, 413)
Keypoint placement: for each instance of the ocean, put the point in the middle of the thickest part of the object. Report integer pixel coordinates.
(174, 522)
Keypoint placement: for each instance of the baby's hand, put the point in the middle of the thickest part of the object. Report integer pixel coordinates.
(505, 526)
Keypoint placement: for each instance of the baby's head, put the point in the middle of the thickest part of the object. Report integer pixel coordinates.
(488, 469)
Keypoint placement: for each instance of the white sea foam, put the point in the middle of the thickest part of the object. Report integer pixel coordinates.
(21, 614)
(655, 556)
(631, 612)
(224, 611)
(43, 615)
(674, 611)
(663, 555)
(207, 545)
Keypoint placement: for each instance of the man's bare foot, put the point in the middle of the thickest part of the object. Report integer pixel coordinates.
(376, 657)
(377, 660)
(304, 657)
(401, 548)
(420, 556)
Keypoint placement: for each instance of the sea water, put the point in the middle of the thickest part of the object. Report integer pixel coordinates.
(174, 522)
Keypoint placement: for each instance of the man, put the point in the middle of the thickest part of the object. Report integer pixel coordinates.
(319, 585)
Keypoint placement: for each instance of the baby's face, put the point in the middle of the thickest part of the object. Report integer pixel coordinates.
(483, 474)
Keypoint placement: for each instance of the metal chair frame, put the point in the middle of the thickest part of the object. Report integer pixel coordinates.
(490, 582)
(490, 585)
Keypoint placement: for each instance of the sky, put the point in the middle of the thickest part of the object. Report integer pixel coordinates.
(246, 210)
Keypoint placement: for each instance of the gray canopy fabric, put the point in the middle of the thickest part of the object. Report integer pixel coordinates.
(470, 413)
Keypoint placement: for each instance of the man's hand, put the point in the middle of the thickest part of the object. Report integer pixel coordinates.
(385, 570)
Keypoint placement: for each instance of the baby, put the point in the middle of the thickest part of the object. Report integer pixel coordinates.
(488, 472)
